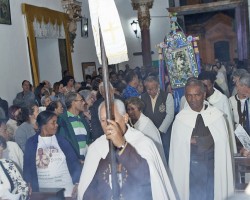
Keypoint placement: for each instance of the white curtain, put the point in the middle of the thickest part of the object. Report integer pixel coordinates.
(49, 30)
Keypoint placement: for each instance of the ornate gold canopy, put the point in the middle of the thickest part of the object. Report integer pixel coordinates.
(41, 14)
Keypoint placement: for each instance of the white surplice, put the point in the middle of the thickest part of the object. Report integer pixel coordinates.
(160, 183)
(221, 102)
(146, 126)
(179, 156)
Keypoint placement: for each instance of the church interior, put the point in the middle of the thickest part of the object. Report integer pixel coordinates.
(41, 39)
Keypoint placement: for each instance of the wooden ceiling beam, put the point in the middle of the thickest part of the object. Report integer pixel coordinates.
(206, 7)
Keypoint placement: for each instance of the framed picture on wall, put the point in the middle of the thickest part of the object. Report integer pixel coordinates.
(5, 17)
(89, 68)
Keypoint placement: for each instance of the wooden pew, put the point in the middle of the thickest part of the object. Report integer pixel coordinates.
(242, 166)
(48, 194)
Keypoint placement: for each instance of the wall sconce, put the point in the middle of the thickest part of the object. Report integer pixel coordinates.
(134, 25)
(84, 27)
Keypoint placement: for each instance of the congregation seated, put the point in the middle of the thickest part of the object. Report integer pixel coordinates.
(68, 84)
(12, 151)
(45, 101)
(4, 105)
(12, 122)
(12, 185)
(49, 159)
(55, 107)
(27, 122)
(58, 93)
(40, 91)
(25, 97)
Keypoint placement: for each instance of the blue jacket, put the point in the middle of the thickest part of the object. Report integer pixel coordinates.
(29, 167)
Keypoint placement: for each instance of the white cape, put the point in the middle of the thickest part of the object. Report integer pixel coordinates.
(179, 157)
(146, 126)
(160, 184)
(221, 102)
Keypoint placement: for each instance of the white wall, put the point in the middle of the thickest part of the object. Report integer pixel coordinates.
(85, 49)
(49, 60)
(14, 57)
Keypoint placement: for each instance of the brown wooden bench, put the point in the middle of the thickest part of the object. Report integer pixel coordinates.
(48, 194)
(242, 166)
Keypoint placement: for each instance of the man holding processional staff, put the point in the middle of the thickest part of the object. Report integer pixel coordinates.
(139, 171)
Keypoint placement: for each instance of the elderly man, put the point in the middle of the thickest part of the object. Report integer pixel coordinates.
(200, 158)
(235, 79)
(159, 107)
(73, 126)
(95, 122)
(141, 173)
(26, 97)
(243, 87)
(244, 84)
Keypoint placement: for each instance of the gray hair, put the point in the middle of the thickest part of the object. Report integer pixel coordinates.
(85, 94)
(44, 98)
(239, 72)
(69, 98)
(245, 80)
(195, 82)
(118, 104)
(151, 79)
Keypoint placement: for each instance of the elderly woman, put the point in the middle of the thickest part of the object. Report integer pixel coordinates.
(55, 107)
(49, 159)
(12, 122)
(12, 185)
(12, 151)
(45, 101)
(27, 122)
(139, 121)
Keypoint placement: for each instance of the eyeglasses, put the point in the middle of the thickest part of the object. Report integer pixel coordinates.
(79, 100)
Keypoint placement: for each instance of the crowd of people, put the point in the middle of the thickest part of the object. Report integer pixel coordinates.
(57, 137)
